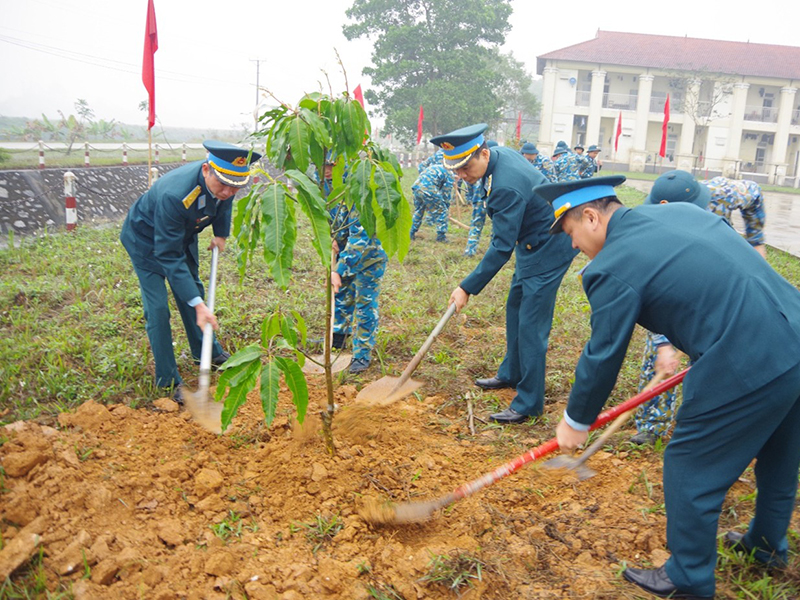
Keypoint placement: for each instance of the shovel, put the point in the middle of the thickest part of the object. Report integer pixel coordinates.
(388, 389)
(578, 463)
(207, 414)
(414, 512)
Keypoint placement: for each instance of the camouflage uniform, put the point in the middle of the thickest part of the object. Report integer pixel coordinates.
(545, 165)
(432, 192)
(361, 265)
(590, 168)
(433, 159)
(727, 195)
(474, 196)
(569, 166)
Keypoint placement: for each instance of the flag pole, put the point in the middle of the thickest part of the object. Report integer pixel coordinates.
(149, 156)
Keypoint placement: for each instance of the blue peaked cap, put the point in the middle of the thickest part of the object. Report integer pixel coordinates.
(459, 145)
(569, 194)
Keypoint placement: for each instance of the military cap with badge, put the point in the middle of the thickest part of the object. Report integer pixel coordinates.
(231, 164)
(566, 195)
(459, 145)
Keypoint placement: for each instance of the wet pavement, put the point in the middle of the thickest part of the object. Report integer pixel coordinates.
(782, 228)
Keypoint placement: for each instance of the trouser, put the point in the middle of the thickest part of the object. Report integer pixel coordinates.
(358, 297)
(476, 227)
(157, 317)
(529, 317)
(655, 415)
(438, 209)
(705, 457)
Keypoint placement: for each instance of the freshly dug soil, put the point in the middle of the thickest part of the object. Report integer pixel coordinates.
(146, 504)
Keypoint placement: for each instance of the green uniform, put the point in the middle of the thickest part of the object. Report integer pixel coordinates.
(680, 271)
(160, 235)
(520, 223)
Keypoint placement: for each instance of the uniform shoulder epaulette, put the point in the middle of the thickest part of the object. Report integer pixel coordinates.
(191, 197)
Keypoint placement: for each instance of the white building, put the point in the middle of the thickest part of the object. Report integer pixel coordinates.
(734, 107)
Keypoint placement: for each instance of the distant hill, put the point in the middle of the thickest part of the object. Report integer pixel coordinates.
(17, 129)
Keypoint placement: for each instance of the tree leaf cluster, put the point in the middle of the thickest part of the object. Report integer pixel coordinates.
(443, 55)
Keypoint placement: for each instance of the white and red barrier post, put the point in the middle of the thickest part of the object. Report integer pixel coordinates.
(183, 154)
(124, 154)
(86, 154)
(41, 154)
(153, 175)
(69, 200)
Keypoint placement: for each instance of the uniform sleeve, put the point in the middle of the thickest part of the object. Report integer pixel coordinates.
(169, 229)
(754, 216)
(222, 224)
(351, 255)
(615, 307)
(507, 216)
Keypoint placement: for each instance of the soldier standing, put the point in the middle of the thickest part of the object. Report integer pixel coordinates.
(431, 194)
(543, 163)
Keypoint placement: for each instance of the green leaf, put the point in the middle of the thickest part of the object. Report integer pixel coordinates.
(288, 331)
(298, 137)
(251, 352)
(317, 126)
(359, 194)
(270, 327)
(384, 186)
(240, 386)
(270, 386)
(394, 239)
(313, 205)
(300, 323)
(279, 227)
(296, 382)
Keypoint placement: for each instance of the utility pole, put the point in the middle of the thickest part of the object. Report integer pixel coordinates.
(258, 62)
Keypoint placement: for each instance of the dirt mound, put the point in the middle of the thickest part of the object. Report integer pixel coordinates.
(146, 504)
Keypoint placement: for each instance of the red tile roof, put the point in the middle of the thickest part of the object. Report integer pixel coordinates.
(682, 53)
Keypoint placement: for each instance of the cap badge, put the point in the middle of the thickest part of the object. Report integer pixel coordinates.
(447, 145)
(239, 161)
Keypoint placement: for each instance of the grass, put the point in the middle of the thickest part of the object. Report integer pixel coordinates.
(72, 330)
(455, 571)
(321, 531)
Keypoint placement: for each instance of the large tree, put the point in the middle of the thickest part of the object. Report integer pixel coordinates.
(440, 54)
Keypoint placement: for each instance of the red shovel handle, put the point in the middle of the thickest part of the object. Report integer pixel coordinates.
(473, 486)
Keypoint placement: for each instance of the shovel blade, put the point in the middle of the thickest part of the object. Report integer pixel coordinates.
(383, 390)
(204, 412)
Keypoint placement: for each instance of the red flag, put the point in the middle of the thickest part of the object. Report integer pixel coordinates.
(619, 132)
(148, 63)
(419, 123)
(663, 150)
(519, 126)
(359, 95)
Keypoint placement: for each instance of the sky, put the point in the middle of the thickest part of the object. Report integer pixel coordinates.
(53, 52)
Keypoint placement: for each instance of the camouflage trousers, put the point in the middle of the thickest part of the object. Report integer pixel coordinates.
(437, 208)
(476, 227)
(656, 415)
(357, 300)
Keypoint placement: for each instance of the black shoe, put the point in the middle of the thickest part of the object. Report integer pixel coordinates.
(338, 340)
(656, 581)
(733, 541)
(644, 438)
(413, 235)
(358, 365)
(220, 359)
(493, 383)
(509, 415)
(177, 396)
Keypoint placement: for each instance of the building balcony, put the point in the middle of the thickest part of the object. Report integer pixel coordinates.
(620, 101)
(764, 114)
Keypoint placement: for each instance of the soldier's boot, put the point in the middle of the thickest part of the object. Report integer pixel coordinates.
(338, 340)
(441, 237)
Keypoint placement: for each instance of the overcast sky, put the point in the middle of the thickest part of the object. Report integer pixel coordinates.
(56, 51)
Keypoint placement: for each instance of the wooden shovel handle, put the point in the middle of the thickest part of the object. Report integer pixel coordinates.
(425, 347)
(617, 423)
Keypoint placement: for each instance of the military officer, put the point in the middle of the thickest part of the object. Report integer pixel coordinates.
(681, 271)
(541, 162)
(160, 235)
(567, 164)
(720, 196)
(520, 223)
(432, 191)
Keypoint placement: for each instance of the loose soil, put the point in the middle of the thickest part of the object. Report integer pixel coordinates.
(125, 500)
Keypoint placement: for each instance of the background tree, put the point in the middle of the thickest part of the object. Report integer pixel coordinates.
(441, 54)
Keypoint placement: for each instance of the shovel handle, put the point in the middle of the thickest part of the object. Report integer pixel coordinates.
(425, 347)
(208, 330)
(618, 422)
